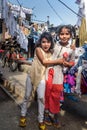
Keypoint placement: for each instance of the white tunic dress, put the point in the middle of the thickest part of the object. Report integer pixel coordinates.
(59, 50)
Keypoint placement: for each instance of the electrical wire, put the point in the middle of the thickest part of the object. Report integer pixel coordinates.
(54, 11)
(19, 3)
(69, 8)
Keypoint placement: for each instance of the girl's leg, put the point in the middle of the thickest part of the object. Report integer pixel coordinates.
(41, 95)
(41, 100)
(26, 97)
(24, 105)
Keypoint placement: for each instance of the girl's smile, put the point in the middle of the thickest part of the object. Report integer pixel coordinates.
(64, 36)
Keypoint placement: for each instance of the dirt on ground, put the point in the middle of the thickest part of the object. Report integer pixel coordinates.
(10, 113)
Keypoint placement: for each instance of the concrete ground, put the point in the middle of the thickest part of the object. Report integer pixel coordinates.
(10, 114)
(14, 83)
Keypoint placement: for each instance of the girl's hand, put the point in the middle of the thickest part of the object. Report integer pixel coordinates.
(61, 61)
(73, 46)
(66, 64)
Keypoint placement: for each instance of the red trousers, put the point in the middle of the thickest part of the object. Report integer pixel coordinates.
(52, 94)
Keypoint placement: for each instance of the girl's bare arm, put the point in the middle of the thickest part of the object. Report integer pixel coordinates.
(47, 62)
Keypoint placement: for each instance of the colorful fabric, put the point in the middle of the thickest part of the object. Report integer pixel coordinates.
(52, 94)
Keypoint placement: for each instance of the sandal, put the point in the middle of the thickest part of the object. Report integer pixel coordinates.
(55, 122)
(22, 122)
(42, 126)
(47, 119)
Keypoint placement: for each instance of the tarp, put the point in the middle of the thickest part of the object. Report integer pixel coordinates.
(82, 20)
(82, 32)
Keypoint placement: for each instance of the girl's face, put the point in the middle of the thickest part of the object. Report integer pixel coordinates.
(45, 44)
(64, 36)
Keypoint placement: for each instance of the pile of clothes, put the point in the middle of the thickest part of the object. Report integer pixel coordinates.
(75, 80)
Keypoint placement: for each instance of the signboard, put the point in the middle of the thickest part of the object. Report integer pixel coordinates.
(17, 8)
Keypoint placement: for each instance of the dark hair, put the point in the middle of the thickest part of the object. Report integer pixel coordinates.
(48, 36)
(64, 26)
